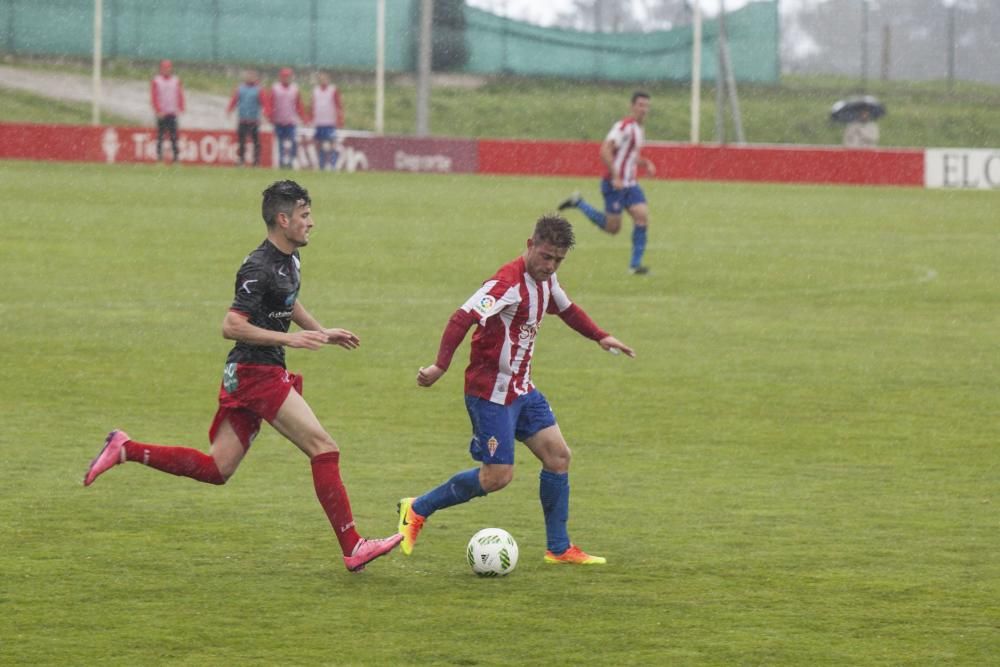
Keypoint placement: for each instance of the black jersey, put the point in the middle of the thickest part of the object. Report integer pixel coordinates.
(267, 286)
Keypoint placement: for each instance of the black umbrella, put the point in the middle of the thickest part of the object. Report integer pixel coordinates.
(851, 109)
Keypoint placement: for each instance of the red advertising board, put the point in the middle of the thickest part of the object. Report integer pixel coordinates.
(72, 143)
(358, 152)
(365, 152)
(777, 164)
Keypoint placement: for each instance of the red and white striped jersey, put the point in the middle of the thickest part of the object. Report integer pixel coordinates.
(510, 306)
(628, 138)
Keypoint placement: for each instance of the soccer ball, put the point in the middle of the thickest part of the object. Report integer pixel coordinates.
(492, 552)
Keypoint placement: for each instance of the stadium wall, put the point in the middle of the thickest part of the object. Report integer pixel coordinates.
(951, 168)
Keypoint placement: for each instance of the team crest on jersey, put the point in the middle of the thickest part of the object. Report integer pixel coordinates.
(492, 445)
(485, 304)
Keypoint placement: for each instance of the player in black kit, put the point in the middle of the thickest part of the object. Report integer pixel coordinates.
(255, 383)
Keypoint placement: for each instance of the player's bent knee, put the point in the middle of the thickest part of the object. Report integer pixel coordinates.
(558, 461)
(320, 443)
(493, 479)
(613, 225)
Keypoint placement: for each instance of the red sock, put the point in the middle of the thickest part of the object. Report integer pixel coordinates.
(333, 497)
(181, 461)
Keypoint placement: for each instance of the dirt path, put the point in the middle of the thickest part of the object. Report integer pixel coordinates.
(125, 98)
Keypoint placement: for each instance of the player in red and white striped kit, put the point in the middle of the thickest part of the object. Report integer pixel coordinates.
(167, 98)
(621, 153)
(501, 399)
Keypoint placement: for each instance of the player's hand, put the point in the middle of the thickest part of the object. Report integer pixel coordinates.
(615, 346)
(617, 183)
(343, 338)
(310, 340)
(429, 375)
(650, 168)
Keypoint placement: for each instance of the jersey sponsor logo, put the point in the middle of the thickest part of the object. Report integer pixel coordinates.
(279, 314)
(492, 445)
(246, 285)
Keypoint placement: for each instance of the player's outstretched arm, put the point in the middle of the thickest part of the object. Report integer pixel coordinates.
(237, 327)
(612, 344)
(428, 375)
(454, 333)
(334, 336)
(343, 338)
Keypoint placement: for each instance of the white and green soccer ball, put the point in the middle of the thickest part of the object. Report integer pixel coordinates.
(492, 552)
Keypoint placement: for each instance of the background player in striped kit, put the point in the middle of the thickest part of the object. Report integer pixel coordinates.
(621, 154)
(502, 401)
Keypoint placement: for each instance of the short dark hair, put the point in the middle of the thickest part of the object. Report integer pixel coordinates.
(554, 229)
(639, 93)
(282, 197)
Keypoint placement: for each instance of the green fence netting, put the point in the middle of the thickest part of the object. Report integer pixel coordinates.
(340, 34)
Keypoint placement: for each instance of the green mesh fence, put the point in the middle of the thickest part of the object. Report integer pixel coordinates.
(502, 45)
(341, 34)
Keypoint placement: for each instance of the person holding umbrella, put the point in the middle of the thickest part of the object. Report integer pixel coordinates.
(859, 115)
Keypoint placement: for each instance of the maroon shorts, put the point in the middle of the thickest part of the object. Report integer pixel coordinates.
(250, 393)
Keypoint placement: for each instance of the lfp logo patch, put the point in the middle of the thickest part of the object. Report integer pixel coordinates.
(492, 445)
(485, 304)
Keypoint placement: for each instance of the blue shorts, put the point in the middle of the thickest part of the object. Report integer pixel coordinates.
(494, 426)
(615, 201)
(285, 132)
(324, 133)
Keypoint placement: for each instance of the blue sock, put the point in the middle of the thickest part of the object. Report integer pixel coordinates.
(461, 488)
(638, 245)
(553, 490)
(595, 216)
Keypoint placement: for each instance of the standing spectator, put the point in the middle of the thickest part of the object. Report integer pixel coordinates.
(328, 115)
(286, 112)
(861, 132)
(168, 101)
(248, 100)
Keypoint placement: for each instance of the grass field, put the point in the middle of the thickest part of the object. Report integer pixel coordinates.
(799, 468)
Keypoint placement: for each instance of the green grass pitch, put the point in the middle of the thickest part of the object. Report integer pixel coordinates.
(800, 467)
